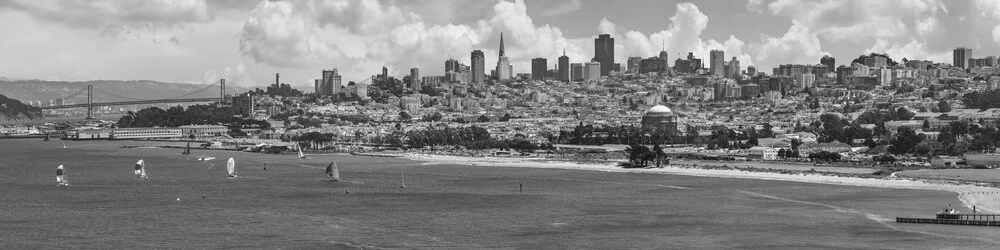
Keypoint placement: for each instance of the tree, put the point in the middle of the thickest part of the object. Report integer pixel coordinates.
(433, 117)
(483, 118)
(904, 141)
(506, 117)
(403, 116)
(943, 106)
(638, 156)
(904, 114)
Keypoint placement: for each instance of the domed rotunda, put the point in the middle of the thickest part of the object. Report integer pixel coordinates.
(659, 117)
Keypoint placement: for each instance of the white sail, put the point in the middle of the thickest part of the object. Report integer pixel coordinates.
(138, 168)
(63, 143)
(231, 167)
(61, 176)
(301, 155)
(402, 181)
(336, 171)
(142, 169)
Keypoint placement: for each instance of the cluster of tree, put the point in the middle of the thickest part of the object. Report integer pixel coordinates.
(861, 59)
(624, 134)
(824, 156)
(194, 114)
(278, 90)
(788, 153)
(982, 100)
(884, 158)
(14, 109)
(470, 137)
(640, 156)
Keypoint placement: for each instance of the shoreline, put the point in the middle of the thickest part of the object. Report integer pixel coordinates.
(985, 199)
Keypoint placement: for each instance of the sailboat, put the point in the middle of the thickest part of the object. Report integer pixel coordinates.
(61, 176)
(333, 171)
(187, 150)
(301, 155)
(140, 169)
(231, 167)
(63, 143)
(402, 181)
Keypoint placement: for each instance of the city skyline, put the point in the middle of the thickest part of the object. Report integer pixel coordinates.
(247, 42)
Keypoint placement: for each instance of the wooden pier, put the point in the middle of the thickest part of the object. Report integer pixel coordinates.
(957, 219)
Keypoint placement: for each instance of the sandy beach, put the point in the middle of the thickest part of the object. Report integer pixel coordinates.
(984, 199)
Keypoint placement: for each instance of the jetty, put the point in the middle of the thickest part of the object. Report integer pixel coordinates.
(973, 219)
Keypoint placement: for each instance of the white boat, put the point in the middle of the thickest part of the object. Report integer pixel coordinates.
(231, 167)
(301, 155)
(333, 171)
(402, 181)
(61, 176)
(140, 169)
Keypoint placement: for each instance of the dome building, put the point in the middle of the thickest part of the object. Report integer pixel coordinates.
(659, 117)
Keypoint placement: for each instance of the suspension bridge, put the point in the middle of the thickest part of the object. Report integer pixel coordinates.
(89, 90)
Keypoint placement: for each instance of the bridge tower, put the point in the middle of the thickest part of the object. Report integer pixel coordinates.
(222, 93)
(90, 102)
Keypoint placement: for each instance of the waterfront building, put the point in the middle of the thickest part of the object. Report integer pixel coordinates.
(145, 133)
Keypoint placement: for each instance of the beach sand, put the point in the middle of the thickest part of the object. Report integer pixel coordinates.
(985, 199)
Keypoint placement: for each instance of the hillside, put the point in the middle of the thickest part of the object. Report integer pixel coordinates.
(38, 90)
(11, 109)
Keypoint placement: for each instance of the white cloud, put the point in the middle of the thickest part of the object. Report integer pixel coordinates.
(153, 20)
(563, 8)
(755, 6)
(927, 27)
(236, 75)
(360, 16)
(855, 20)
(279, 34)
(913, 50)
(798, 45)
(990, 9)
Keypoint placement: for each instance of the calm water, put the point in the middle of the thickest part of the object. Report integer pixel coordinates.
(290, 205)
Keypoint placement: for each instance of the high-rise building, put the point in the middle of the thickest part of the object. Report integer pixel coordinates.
(538, 68)
(717, 62)
(806, 80)
(564, 69)
(664, 57)
(876, 62)
(576, 71)
(751, 70)
(961, 56)
(604, 52)
(504, 69)
(318, 89)
(592, 71)
(830, 62)
(415, 79)
(451, 65)
(478, 66)
(633, 64)
(733, 68)
(331, 82)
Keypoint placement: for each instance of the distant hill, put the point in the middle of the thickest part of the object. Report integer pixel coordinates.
(39, 90)
(11, 109)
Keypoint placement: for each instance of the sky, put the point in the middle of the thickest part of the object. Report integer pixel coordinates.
(247, 42)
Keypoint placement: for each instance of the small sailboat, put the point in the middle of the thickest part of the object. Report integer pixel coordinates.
(301, 155)
(61, 176)
(402, 181)
(187, 150)
(231, 167)
(333, 171)
(140, 169)
(63, 143)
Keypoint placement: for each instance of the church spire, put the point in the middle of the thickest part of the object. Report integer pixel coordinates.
(501, 44)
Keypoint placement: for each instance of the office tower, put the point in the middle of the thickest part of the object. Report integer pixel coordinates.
(478, 66)
(830, 63)
(961, 56)
(633, 64)
(577, 71)
(876, 62)
(503, 64)
(564, 70)
(318, 88)
(717, 60)
(592, 71)
(663, 56)
(451, 65)
(415, 79)
(751, 70)
(331, 82)
(604, 52)
(538, 68)
(806, 80)
(733, 68)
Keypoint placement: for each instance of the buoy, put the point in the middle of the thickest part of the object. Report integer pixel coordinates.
(178, 199)
(203, 196)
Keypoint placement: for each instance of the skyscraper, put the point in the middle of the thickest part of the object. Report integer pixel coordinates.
(830, 62)
(633, 64)
(604, 52)
(415, 79)
(451, 65)
(538, 68)
(961, 56)
(577, 71)
(331, 82)
(717, 62)
(564, 69)
(733, 69)
(592, 71)
(478, 66)
(664, 57)
(503, 64)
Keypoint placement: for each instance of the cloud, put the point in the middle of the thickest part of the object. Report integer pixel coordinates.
(279, 34)
(990, 9)
(563, 8)
(236, 75)
(360, 16)
(913, 50)
(927, 27)
(855, 20)
(755, 6)
(798, 45)
(154, 20)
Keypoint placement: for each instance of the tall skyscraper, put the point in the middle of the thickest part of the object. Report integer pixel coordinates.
(415, 79)
(538, 68)
(503, 64)
(564, 70)
(604, 52)
(331, 82)
(577, 71)
(961, 56)
(664, 57)
(830, 62)
(717, 62)
(592, 71)
(478, 66)
(633, 64)
(733, 69)
(451, 65)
